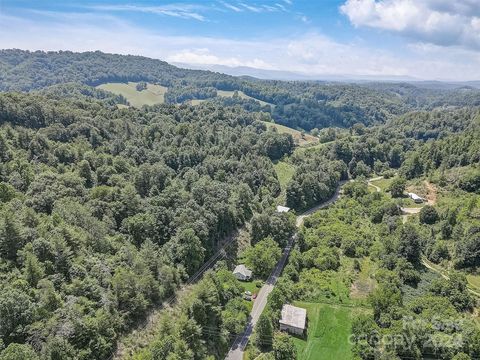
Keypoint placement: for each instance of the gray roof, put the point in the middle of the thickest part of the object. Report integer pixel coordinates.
(293, 316)
(242, 269)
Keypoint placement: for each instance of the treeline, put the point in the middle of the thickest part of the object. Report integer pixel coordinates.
(414, 144)
(307, 105)
(104, 212)
(315, 180)
(212, 312)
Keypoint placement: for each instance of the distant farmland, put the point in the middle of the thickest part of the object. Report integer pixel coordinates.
(153, 94)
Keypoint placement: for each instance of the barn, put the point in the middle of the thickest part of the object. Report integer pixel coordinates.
(294, 319)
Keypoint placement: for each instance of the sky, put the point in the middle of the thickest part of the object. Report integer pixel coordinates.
(417, 39)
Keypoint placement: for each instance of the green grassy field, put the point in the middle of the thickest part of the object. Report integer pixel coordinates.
(383, 183)
(242, 95)
(284, 172)
(315, 145)
(303, 140)
(329, 327)
(364, 282)
(153, 94)
(474, 281)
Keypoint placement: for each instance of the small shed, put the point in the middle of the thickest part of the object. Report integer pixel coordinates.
(293, 319)
(282, 209)
(241, 272)
(415, 198)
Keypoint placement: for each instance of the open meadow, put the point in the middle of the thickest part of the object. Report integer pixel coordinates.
(153, 94)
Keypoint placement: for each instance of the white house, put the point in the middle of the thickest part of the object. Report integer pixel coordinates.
(282, 209)
(293, 319)
(416, 198)
(242, 273)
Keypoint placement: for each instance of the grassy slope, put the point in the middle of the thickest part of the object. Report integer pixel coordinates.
(284, 172)
(304, 140)
(384, 184)
(329, 327)
(242, 95)
(154, 94)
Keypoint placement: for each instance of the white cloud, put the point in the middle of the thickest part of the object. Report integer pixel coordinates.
(310, 53)
(440, 22)
(205, 57)
(231, 7)
(184, 11)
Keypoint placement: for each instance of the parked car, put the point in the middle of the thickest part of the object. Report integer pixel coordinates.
(247, 297)
(248, 293)
(254, 296)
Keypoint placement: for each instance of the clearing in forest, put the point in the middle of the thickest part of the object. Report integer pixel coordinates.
(328, 331)
(242, 95)
(153, 94)
(300, 138)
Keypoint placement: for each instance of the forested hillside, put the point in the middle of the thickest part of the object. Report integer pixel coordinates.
(108, 211)
(304, 105)
(104, 212)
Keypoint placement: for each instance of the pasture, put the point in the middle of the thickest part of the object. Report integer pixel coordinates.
(153, 94)
(242, 95)
(302, 139)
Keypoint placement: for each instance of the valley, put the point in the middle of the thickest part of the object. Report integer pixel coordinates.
(125, 208)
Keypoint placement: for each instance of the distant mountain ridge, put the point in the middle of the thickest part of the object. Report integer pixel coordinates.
(306, 104)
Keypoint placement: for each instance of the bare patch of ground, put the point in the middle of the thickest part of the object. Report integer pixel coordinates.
(361, 288)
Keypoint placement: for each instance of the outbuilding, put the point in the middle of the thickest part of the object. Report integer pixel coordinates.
(415, 198)
(241, 272)
(294, 319)
(282, 209)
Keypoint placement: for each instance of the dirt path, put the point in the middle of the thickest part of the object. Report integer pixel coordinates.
(444, 273)
(369, 183)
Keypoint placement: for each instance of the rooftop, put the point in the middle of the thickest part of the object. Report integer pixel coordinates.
(293, 316)
(242, 269)
(282, 209)
(414, 196)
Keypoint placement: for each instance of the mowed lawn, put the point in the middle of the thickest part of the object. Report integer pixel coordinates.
(329, 327)
(153, 94)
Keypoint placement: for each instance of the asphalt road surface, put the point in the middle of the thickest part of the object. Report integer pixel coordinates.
(241, 341)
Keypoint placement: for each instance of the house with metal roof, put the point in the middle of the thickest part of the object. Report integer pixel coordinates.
(294, 319)
(282, 209)
(241, 272)
(416, 198)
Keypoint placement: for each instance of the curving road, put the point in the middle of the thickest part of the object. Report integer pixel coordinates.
(238, 348)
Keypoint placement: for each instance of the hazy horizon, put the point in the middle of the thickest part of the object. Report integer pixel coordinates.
(397, 39)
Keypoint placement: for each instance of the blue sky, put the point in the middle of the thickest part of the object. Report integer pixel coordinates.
(424, 39)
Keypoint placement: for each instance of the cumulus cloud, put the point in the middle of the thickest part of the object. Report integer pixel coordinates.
(205, 57)
(440, 22)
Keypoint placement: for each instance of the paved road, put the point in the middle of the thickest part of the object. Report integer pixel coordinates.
(309, 212)
(241, 341)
